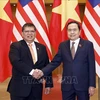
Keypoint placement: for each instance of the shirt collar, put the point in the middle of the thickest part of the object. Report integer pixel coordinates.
(76, 41)
(33, 44)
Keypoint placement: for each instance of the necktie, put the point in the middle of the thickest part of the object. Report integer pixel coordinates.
(73, 50)
(32, 53)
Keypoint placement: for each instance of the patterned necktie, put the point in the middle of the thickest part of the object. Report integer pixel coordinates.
(32, 53)
(73, 50)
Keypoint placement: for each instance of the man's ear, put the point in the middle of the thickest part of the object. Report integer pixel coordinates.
(22, 34)
(80, 32)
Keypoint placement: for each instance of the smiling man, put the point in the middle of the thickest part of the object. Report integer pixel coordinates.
(77, 56)
(25, 56)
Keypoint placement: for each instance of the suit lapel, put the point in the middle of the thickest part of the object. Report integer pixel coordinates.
(38, 50)
(26, 48)
(68, 49)
(80, 45)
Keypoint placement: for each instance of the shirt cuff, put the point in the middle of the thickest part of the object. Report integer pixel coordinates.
(31, 72)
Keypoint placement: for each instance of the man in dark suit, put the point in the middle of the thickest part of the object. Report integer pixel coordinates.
(23, 85)
(77, 56)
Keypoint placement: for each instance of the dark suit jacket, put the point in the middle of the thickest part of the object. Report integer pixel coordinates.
(22, 64)
(78, 73)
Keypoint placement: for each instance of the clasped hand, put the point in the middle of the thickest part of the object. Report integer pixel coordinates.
(37, 74)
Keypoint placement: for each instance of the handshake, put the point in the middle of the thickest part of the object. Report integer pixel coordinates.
(37, 73)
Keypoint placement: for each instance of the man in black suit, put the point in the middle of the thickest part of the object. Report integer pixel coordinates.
(77, 56)
(23, 85)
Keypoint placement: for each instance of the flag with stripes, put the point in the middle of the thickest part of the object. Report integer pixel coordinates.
(32, 11)
(6, 26)
(63, 11)
(91, 27)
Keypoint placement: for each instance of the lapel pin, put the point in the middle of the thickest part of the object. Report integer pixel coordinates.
(37, 48)
(80, 45)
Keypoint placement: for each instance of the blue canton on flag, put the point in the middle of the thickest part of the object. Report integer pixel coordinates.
(94, 2)
(24, 2)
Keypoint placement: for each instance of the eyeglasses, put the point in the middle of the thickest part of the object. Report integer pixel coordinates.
(29, 31)
(74, 30)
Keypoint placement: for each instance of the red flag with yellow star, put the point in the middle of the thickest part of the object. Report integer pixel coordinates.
(5, 38)
(63, 11)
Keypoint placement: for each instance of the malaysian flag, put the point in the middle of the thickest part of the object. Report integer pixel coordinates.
(32, 11)
(91, 27)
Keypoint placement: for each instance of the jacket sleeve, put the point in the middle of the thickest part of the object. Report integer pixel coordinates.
(48, 78)
(54, 63)
(91, 60)
(16, 61)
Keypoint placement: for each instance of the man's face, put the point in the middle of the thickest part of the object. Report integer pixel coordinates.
(73, 31)
(29, 34)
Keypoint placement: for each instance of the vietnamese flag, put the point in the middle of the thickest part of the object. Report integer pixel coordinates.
(5, 38)
(63, 11)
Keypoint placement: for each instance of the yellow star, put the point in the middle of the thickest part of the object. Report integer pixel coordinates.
(3, 14)
(67, 11)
